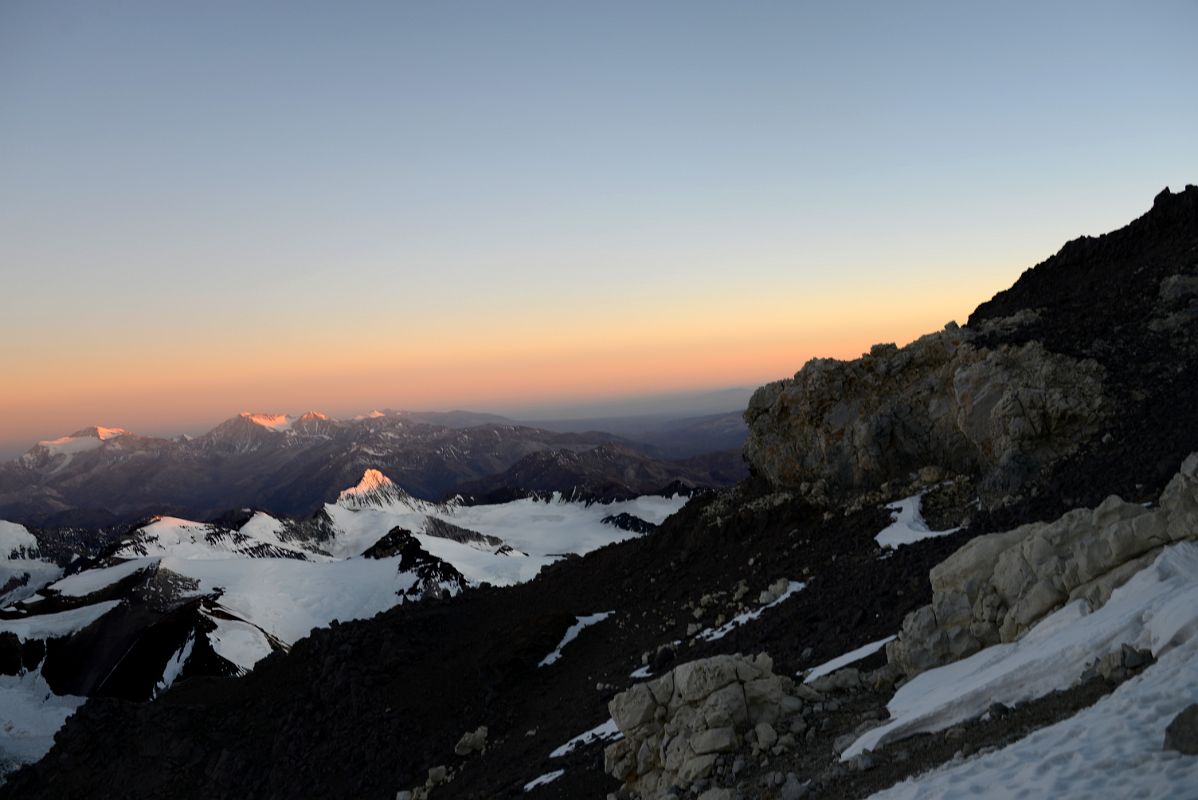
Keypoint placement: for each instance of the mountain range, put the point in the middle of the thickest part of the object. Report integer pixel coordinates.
(291, 465)
(967, 566)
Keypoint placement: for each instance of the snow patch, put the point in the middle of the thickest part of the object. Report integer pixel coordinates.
(607, 732)
(572, 632)
(175, 666)
(548, 777)
(850, 657)
(712, 634)
(907, 525)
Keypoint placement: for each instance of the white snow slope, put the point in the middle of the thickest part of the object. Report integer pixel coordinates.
(283, 598)
(1112, 749)
(18, 559)
(1157, 609)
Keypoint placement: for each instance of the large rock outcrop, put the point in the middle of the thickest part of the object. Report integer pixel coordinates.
(1002, 414)
(676, 726)
(998, 586)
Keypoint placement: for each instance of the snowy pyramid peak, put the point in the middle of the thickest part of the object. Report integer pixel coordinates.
(375, 490)
(312, 416)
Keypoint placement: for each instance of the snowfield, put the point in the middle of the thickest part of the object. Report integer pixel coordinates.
(288, 597)
(272, 588)
(1112, 749)
(30, 715)
(1156, 609)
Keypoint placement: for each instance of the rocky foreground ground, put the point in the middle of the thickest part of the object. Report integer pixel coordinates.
(1077, 383)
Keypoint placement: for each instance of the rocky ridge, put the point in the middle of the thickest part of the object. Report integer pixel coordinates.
(1004, 414)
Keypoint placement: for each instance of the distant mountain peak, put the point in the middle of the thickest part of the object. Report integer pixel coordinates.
(94, 432)
(274, 422)
(102, 433)
(371, 479)
(374, 490)
(312, 416)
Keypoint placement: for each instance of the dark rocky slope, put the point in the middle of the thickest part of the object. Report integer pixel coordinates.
(366, 709)
(604, 473)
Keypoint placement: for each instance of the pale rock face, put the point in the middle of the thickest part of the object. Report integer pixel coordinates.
(944, 402)
(998, 586)
(675, 726)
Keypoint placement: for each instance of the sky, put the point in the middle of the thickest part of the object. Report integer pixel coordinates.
(223, 206)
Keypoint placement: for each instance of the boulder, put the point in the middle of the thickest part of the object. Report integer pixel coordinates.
(677, 725)
(472, 742)
(1182, 733)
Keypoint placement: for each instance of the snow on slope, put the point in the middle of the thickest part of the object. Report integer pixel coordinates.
(30, 715)
(907, 525)
(712, 634)
(851, 657)
(181, 538)
(84, 583)
(238, 643)
(272, 585)
(49, 626)
(376, 490)
(606, 731)
(1112, 749)
(20, 565)
(15, 540)
(580, 624)
(1157, 609)
(288, 597)
(273, 422)
(541, 531)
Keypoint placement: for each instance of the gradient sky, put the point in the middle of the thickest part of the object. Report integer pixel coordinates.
(219, 206)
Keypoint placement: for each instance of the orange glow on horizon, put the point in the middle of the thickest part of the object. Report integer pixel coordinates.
(182, 378)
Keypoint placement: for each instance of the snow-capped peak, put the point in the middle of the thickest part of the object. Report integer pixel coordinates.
(96, 432)
(371, 479)
(313, 416)
(376, 490)
(274, 422)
